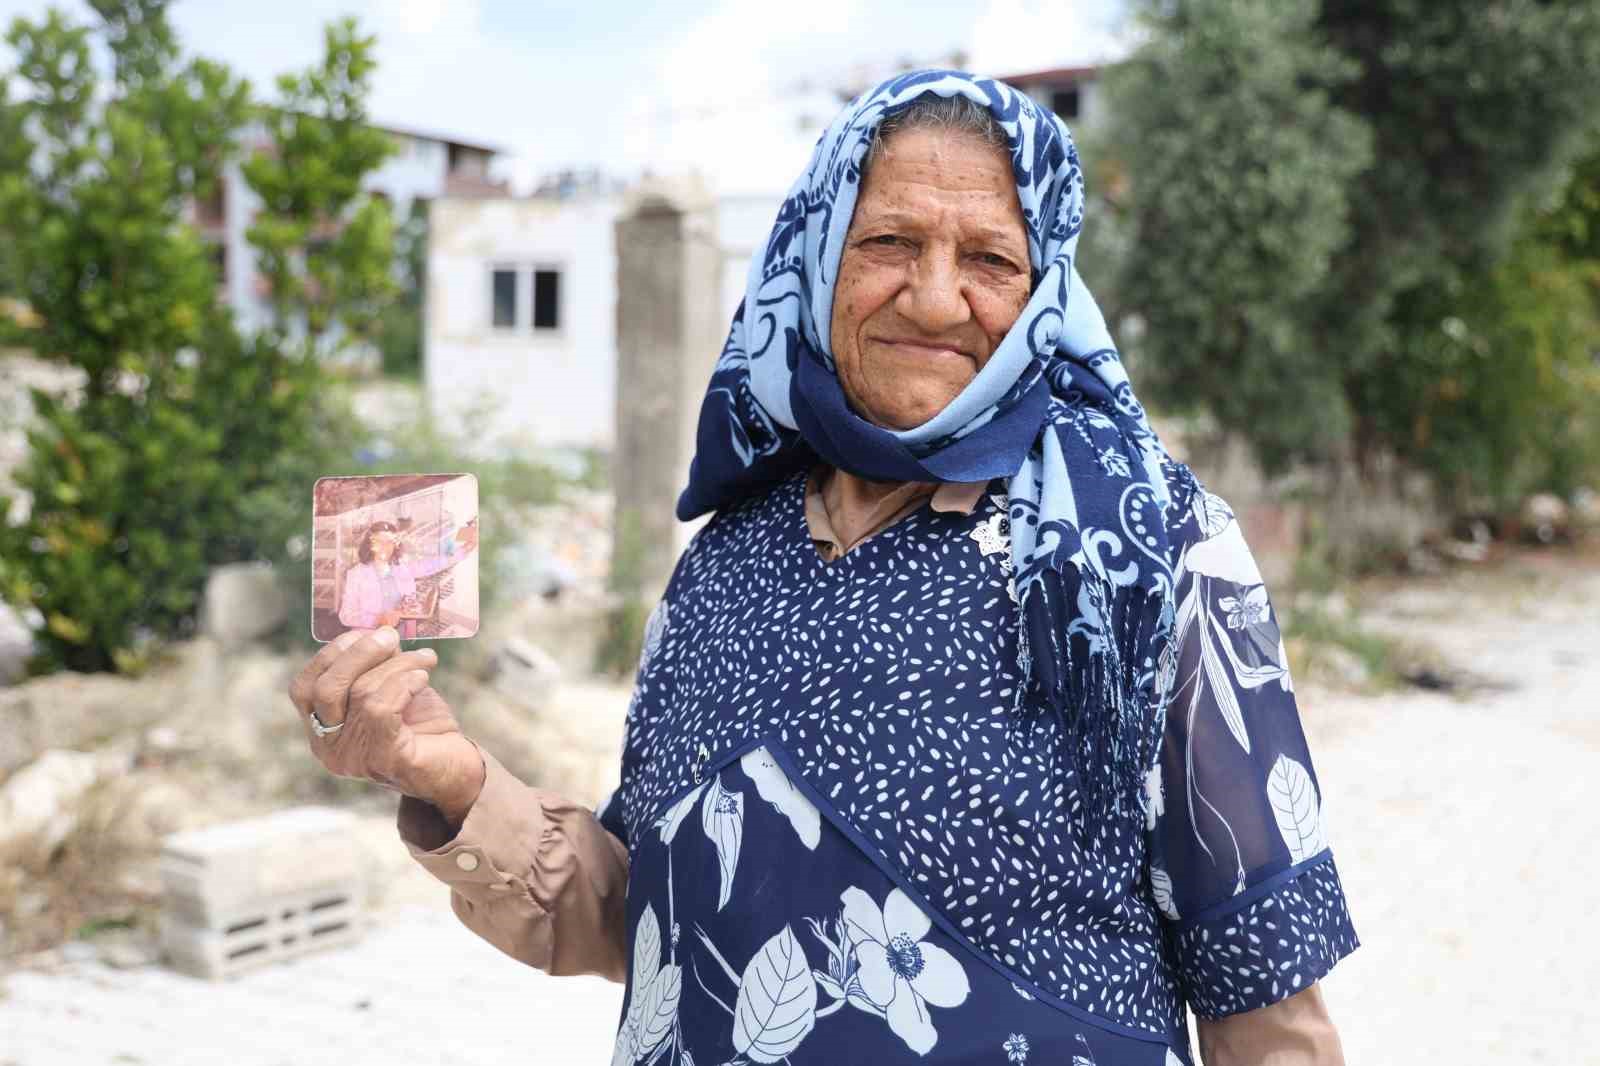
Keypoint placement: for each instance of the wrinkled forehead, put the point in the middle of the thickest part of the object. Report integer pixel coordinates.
(1044, 164)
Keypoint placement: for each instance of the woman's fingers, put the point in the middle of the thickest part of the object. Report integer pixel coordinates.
(373, 692)
(387, 705)
(331, 692)
(301, 689)
(366, 690)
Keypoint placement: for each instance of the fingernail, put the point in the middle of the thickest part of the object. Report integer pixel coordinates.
(387, 637)
(347, 639)
(431, 654)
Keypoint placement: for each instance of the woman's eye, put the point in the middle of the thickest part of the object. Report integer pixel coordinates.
(991, 259)
(888, 239)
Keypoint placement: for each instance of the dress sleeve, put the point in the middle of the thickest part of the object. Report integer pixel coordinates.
(428, 565)
(530, 872)
(1240, 866)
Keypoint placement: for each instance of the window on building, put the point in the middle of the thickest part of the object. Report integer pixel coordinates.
(217, 252)
(211, 211)
(546, 299)
(1065, 102)
(467, 162)
(504, 286)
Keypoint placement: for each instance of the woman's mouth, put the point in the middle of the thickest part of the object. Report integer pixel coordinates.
(918, 349)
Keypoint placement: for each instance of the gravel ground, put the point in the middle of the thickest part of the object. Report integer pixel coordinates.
(1464, 827)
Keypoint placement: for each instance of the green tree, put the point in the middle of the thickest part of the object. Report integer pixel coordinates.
(1475, 110)
(190, 445)
(13, 159)
(1504, 395)
(325, 246)
(400, 333)
(1235, 161)
(92, 201)
(1314, 294)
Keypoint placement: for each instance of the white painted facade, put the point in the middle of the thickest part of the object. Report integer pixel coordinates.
(552, 387)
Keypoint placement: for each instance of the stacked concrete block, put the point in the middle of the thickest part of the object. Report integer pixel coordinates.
(249, 893)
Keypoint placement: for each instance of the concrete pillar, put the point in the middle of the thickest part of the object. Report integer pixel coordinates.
(670, 329)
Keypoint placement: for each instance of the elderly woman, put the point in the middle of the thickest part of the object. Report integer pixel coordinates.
(962, 732)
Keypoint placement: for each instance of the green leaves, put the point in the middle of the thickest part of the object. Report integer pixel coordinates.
(190, 445)
(1236, 164)
(326, 247)
(1313, 190)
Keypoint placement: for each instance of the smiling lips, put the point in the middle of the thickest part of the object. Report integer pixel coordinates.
(925, 350)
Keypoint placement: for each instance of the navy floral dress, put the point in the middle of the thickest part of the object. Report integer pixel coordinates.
(849, 838)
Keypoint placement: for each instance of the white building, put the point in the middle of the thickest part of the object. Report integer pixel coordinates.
(424, 167)
(520, 318)
(1071, 92)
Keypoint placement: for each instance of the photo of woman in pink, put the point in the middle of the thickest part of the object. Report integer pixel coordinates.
(375, 588)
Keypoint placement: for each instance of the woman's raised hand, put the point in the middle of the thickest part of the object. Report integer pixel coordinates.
(398, 732)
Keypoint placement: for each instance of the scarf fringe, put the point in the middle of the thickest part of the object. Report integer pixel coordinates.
(1100, 681)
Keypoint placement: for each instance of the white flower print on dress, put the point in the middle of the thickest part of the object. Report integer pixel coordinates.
(722, 816)
(1155, 804)
(1211, 512)
(1251, 610)
(774, 786)
(653, 1009)
(1016, 1048)
(1225, 556)
(900, 973)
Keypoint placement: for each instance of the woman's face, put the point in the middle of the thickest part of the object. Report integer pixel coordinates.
(934, 272)
(383, 545)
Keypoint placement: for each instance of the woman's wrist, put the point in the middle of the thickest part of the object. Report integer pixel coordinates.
(466, 785)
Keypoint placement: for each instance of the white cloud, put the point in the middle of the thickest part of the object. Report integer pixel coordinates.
(736, 96)
(1016, 36)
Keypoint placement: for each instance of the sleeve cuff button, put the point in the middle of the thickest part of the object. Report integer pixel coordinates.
(467, 861)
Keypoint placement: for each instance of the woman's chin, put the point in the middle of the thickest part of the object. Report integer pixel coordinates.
(912, 408)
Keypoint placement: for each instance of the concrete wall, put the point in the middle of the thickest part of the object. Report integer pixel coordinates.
(1354, 521)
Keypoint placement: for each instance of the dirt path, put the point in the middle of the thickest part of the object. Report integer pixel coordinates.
(1466, 829)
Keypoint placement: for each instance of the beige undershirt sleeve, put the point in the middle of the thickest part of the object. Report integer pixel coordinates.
(531, 872)
(1292, 1032)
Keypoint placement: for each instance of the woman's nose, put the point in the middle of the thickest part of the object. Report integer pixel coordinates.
(933, 299)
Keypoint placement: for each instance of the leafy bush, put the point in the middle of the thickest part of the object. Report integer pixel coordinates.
(190, 446)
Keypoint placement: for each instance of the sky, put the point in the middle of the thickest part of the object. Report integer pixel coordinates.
(725, 88)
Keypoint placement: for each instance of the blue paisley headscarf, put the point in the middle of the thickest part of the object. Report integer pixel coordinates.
(1052, 412)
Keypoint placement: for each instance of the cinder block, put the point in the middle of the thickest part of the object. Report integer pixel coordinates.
(251, 892)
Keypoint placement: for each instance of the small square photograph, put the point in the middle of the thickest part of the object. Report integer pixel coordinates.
(398, 550)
